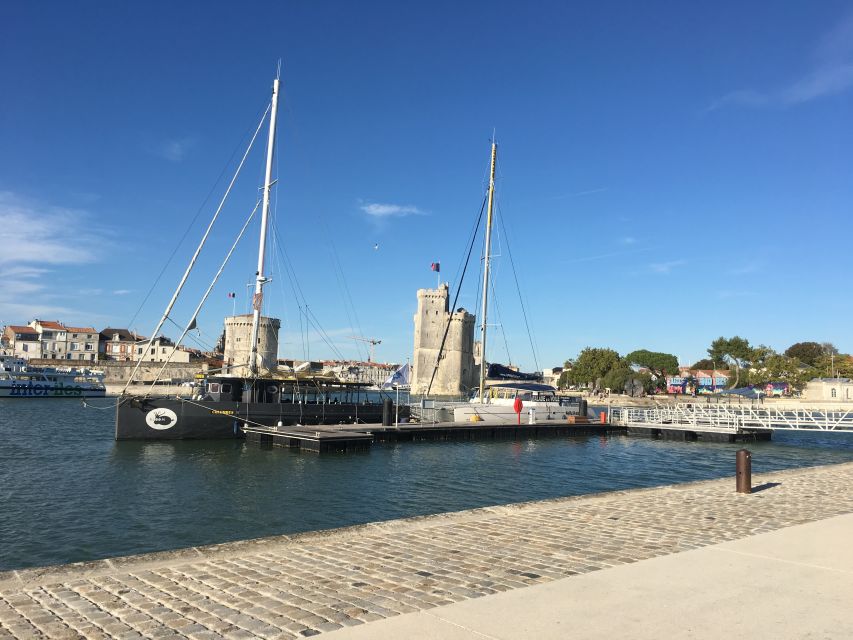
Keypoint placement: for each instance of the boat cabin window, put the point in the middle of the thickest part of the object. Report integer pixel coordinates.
(214, 387)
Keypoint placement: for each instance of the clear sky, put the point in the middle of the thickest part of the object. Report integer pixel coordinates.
(667, 173)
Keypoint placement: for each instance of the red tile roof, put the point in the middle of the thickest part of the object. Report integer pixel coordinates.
(81, 329)
(20, 329)
(51, 324)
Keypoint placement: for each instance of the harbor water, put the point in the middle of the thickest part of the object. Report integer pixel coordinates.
(69, 492)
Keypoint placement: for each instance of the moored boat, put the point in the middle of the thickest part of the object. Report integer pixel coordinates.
(18, 380)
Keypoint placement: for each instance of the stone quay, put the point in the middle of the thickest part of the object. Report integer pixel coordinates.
(303, 585)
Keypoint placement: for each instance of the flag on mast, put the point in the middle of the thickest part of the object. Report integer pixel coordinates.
(232, 295)
(436, 266)
(257, 300)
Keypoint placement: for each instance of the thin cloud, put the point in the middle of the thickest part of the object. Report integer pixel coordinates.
(628, 240)
(381, 211)
(831, 74)
(122, 292)
(45, 236)
(173, 150)
(666, 267)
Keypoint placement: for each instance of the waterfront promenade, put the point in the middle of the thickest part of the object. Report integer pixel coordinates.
(536, 569)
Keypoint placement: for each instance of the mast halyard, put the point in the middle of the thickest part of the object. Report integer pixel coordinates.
(486, 259)
(260, 279)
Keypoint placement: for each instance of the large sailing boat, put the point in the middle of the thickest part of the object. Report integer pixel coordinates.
(252, 393)
(498, 400)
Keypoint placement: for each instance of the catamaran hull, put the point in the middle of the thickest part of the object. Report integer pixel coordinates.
(178, 419)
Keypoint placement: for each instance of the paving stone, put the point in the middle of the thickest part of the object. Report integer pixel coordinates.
(316, 583)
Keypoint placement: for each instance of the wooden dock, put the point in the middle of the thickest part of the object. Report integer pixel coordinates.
(352, 438)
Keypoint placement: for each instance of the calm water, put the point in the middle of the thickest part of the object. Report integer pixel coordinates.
(69, 492)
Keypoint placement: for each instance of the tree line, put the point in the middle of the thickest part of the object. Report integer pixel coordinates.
(646, 371)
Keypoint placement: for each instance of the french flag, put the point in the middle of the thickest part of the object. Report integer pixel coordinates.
(436, 266)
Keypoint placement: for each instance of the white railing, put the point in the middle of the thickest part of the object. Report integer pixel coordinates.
(717, 417)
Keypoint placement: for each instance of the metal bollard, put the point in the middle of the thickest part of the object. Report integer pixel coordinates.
(743, 471)
(387, 412)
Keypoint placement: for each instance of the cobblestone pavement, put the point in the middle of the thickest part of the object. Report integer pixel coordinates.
(303, 585)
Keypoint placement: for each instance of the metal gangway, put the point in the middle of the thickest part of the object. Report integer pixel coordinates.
(733, 419)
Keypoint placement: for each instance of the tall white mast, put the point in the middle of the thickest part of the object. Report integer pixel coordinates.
(260, 279)
(486, 258)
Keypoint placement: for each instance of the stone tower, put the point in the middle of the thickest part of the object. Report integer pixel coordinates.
(238, 335)
(455, 373)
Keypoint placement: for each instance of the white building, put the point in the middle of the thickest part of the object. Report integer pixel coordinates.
(829, 390)
(161, 350)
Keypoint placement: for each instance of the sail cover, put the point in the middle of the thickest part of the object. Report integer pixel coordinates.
(500, 372)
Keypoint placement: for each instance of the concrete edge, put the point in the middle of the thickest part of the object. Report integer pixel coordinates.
(53, 574)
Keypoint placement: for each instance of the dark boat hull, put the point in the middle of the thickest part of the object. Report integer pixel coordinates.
(182, 419)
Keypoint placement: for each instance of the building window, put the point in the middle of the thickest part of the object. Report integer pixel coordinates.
(88, 346)
(26, 347)
(163, 350)
(75, 346)
(139, 350)
(833, 393)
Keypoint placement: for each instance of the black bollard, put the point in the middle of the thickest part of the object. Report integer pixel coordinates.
(743, 471)
(387, 412)
(583, 408)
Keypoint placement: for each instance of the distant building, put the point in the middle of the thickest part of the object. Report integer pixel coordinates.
(162, 349)
(374, 373)
(52, 339)
(551, 375)
(708, 381)
(22, 341)
(829, 390)
(118, 344)
(81, 343)
(455, 372)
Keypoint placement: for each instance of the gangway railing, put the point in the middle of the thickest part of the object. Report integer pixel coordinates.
(717, 417)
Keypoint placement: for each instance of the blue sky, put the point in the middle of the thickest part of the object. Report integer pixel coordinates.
(667, 174)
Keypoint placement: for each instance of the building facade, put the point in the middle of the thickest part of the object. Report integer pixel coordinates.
(829, 390)
(161, 350)
(22, 341)
(81, 343)
(118, 344)
(455, 373)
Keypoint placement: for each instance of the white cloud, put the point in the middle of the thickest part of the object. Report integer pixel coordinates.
(121, 292)
(666, 267)
(34, 233)
(173, 150)
(380, 210)
(831, 73)
(38, 239)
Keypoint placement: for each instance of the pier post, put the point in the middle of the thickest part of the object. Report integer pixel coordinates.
(743, 471)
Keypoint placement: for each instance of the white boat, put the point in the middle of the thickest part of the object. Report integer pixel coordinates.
(18, 380)
(509, 401)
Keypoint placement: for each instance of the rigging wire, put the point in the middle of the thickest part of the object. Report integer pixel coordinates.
(518, 289)
(456, 298)
(192, 222)
(200, 246)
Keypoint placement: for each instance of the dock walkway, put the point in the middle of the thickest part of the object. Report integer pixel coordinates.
(302, 585)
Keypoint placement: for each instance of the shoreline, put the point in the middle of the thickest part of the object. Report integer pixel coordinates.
(302, 584)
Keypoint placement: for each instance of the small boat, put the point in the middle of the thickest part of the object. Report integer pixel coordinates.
(253, 392)
(18, 380)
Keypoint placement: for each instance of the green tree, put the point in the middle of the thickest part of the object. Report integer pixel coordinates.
(734, 350)
(807, 352)
(617, 377)
(780, 368)
(592, 364)
(659, 364)
(704, 363)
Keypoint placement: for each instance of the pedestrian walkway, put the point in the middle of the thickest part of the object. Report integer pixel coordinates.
(539, 557)
(792, 583)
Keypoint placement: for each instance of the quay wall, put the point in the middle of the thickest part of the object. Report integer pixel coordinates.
(120, 372)
(300, 585)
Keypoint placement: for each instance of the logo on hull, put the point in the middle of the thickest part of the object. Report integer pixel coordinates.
(161, 419)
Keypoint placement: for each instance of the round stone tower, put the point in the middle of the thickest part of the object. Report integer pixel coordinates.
(238, 335)
(455, 374)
